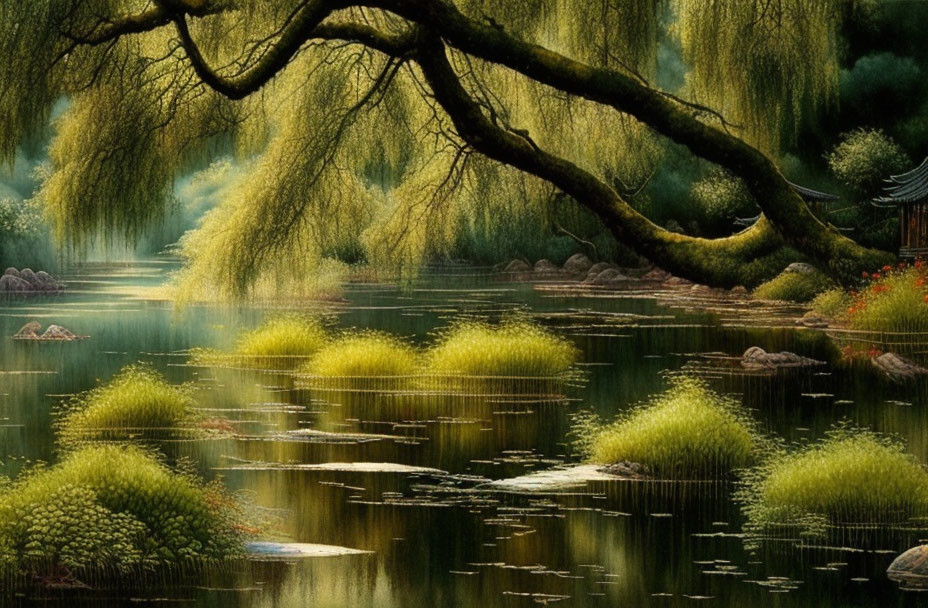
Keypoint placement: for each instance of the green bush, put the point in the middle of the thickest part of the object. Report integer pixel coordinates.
(138, 398)
(720, 198)
(513, 349)
(367, 354)
(865, 157)
(110, 509)
(687, 432)
(852, 476)
(794, 286)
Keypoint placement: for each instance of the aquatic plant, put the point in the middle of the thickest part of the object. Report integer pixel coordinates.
(687, 432)
(136, 399)
(794, 286)
(851, 476)
(363, 354)
(110, 509)
(280, 342)
(513, 349)
(832, 303)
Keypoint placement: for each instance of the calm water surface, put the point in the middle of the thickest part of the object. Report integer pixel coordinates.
(433, 539)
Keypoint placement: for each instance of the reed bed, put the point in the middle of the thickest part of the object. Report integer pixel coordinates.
(851, 478)
(136, 402)
(280, 343)
(364, 360)
(687, 432)
(514, 349)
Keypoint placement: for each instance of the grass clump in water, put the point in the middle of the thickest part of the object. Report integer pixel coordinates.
(111, 509)
(514, 349)
(851, 476)
(687, 432)
(893, 300)
(281, 342)
(792, 286)
(832, 303)
(136, 399)
(365, 354)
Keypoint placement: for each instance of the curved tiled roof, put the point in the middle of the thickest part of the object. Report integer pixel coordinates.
(908, 187)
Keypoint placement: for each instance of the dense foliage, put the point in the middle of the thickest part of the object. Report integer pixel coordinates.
(109, 509)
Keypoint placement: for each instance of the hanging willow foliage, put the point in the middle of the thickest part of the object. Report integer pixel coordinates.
(345, 154)
(764, 64)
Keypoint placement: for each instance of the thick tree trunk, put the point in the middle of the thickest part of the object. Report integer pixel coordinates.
(743, 259)
(787, 212)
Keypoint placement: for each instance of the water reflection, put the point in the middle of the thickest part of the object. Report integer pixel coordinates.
(439, 538)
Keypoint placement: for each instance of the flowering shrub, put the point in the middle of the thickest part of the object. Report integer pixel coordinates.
(892, 299)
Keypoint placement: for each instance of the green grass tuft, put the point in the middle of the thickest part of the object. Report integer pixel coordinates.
(281, 343)
(365, 354)
(832, 303)
(138, 398)
(687, 432)
(851, 476)
(114, 509)
(514, 349)
(794, 287)
(894, 301)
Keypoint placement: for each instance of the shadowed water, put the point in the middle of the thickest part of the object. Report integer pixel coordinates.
(437, 537)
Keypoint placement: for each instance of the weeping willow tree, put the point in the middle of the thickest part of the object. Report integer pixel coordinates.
(378, 126)
(764, 64)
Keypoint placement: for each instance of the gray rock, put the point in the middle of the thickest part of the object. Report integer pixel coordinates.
(739, 289)
(757, 358)
(546, 266)
(47, 281)
(12, 272)
(57, 332)
(608, 277)
(801, 268)
(578, 264)
(897, 368)
(598, 267)
(13, 284)
(911, 568)
(29, 331)
(657, 274)
(517, 266)
(810, 319)
(677, 281)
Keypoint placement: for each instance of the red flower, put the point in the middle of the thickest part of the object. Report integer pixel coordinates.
(919, 264)
(887, 268)
(919, 281)
(865, 274)
(876, 276)
(926, 299)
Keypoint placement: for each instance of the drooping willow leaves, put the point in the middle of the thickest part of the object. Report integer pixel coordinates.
(345, 155)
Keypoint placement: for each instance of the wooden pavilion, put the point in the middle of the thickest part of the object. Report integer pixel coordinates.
(909, 192)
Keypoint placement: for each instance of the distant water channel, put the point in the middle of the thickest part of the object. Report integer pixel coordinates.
(436, 540)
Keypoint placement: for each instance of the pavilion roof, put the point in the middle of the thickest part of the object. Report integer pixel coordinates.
(908, 187)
